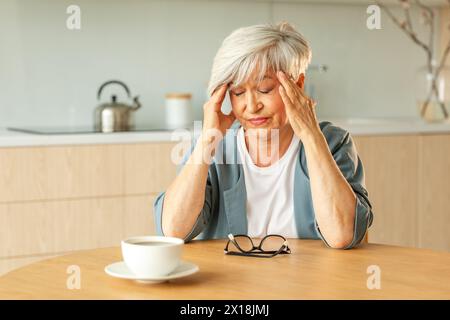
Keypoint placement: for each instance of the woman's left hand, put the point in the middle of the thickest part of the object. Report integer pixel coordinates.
(300, 109)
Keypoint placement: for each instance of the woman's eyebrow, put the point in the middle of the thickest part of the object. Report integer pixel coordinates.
(268, 78)
(265, 77)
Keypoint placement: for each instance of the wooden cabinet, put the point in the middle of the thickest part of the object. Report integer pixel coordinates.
(138, 215)
(32, 228)
(408, 179)
(148, 169)
(58, 199)
(390, 164)
(67, 172)
(434, 192)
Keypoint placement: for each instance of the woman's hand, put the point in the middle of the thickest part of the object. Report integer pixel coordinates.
(300, 109)
(333, 198)
(213, 117)
(185, 197)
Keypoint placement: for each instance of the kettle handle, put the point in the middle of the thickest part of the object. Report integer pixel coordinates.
(113, 82)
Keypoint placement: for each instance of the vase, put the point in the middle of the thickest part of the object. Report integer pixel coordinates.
(433, 93)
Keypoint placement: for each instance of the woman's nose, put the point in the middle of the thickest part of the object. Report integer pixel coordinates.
(253, 106)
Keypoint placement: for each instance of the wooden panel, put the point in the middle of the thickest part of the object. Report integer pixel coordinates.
(139, 218)
(390, 164)
(148, 167)
(57, 226)
(42, 173)
(434, 203)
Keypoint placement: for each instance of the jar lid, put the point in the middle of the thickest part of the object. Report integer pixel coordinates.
(178, 95)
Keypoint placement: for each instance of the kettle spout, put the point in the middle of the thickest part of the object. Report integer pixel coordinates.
(136, 104)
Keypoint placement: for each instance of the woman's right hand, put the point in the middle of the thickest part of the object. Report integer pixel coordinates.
(213, 117)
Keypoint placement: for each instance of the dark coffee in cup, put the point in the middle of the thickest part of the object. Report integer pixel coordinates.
(152, 243)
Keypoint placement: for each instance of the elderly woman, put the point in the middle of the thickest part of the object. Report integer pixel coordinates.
(310, 184)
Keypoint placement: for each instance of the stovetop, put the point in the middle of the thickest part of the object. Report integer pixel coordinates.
(78, 129)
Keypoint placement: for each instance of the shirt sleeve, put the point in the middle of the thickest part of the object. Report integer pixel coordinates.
(204, 215)
(344, 153)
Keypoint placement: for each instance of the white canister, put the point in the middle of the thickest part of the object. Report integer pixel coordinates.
(178, 110)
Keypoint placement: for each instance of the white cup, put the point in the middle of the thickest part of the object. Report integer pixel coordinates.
(152, 256)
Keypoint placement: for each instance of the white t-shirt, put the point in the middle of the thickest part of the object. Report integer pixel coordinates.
(270, 201)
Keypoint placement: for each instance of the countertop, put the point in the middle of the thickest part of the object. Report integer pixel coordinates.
(356, 127)
(20, 139)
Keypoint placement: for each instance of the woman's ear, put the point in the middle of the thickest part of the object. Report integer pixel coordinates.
(301, 81)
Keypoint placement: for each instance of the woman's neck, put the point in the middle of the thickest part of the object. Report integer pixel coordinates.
(266, 147)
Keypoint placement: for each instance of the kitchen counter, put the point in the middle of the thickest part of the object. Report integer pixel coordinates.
(390, 126)
(356, 126)
(19, 139)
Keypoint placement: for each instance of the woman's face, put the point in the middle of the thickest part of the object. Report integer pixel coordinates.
(259, 106)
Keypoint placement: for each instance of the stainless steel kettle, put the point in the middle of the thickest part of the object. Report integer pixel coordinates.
(115, 116)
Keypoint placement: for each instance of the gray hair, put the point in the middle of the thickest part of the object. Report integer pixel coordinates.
(263, 47)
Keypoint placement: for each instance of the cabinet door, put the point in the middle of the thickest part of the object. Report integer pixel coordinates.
(390, 164)
(139, 218)
(148, 167)
(434, 199)
(51, 227)
(60, 172)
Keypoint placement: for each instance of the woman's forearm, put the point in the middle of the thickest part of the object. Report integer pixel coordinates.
(184, 199)
(333, 198)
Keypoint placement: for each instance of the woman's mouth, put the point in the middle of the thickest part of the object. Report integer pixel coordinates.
(258, 121)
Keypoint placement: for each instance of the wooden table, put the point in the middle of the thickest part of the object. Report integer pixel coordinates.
(312, 271)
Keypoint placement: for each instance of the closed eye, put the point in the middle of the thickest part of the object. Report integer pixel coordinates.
(237, 94)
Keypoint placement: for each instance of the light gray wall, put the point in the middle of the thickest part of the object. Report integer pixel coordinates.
(49, 75)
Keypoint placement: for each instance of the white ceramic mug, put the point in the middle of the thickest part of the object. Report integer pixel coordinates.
(152, 256)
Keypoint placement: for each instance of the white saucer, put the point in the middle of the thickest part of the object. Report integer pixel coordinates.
(120, 270)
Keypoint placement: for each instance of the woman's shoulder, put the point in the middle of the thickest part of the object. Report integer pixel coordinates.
(336, 136)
